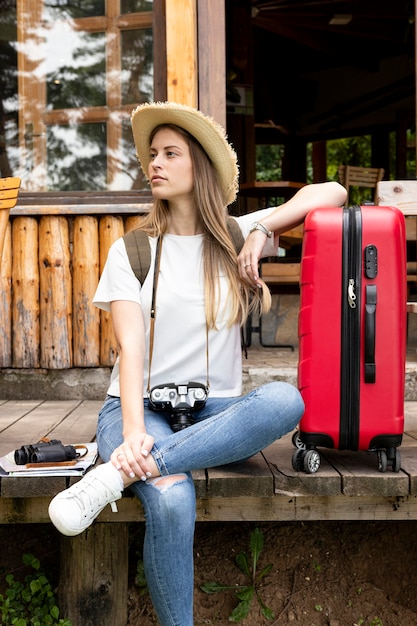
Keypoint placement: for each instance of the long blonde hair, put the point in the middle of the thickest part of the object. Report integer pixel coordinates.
(218, 249)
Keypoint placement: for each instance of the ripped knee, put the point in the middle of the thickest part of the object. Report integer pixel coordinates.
(162, 482)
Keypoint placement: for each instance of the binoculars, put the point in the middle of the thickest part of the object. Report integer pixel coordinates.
(52, 451)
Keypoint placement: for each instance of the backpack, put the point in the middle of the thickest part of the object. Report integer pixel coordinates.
(139, 250)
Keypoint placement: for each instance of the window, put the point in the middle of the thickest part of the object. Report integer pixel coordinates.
(72, 72)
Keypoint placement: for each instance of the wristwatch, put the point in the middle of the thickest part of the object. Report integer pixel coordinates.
(262, 228)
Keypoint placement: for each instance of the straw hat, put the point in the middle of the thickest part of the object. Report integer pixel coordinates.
(204, 129)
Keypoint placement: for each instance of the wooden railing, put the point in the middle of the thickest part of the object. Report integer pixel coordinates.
(54, 250)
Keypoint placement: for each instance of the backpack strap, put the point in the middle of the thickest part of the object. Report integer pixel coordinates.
(139, 250)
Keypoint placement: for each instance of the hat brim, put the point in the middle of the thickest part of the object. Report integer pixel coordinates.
(210, 135)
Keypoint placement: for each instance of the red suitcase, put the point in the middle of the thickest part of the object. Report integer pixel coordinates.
(352, 334)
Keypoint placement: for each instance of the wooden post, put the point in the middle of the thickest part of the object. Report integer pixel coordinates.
(93, 582)
(85, 262)
(181, 20)
(6, 301)
(55, 292)
(25, 274)
(110, 229)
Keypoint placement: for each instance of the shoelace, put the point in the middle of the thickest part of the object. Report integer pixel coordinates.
(92, 499)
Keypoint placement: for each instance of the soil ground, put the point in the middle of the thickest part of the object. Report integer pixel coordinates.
(323, 573)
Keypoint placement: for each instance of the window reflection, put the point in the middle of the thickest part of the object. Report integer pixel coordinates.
(134, 6)
(9, 141)
(60, 9)
(130, 175)
(137, 66)
(76, 157)
(75, 77)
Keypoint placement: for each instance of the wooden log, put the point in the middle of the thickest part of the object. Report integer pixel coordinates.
(6, 301)
(93, 582)
(4, 220)
(110, 229)
(25, 273)
(85, 262)
(55, 293)
(132, 222)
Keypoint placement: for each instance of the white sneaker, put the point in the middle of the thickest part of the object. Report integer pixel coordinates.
(76, 508)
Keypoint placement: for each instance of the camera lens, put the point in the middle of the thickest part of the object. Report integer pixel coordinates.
(181, 420)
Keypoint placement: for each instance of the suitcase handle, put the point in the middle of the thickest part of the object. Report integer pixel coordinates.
(370, 325)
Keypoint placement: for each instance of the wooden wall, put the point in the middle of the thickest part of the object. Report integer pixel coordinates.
(51, 263)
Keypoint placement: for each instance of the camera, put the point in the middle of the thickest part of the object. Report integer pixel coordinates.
(180, 400)
(52, 451)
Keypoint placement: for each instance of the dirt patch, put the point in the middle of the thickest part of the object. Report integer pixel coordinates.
(323, 573)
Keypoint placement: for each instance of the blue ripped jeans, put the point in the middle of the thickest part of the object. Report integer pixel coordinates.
(226, 430)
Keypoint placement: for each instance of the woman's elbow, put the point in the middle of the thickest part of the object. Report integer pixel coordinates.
(336, 193)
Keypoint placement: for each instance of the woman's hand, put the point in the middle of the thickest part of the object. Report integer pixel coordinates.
(131, 455)
(248, 259)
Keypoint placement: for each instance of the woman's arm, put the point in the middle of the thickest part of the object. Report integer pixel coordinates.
(129, 330)
(283, 218)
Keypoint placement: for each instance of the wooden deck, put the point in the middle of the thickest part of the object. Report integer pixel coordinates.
(94, 565)
(348, 486)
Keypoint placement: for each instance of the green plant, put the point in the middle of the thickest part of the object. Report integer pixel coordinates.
(32, 602)
(246, 593)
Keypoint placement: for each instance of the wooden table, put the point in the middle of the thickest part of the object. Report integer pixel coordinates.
(270, 189)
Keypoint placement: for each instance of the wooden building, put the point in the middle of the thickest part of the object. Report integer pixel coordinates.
(272, 72)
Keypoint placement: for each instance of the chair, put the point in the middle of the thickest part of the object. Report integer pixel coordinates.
(9, 188)
(403, 195)
(352, 176)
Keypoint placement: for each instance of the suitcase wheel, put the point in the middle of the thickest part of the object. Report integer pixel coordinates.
(296, 441)
(306, 460)
(391, 457)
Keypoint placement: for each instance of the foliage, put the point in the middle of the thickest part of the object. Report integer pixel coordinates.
(246, 593)
(32, 602)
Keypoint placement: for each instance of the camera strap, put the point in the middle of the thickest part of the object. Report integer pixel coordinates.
(153, 314)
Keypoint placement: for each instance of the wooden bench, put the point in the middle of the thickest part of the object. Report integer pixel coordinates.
(94, 565)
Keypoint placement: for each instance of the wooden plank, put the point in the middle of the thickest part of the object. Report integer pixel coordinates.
(7, 184)
(79, 425)
(266, 508)
(287, 481)
(71, 209)
(398, 193)
(29, 487)
(250, 478)
(42, 420)
(306, 508)
(11, 412)
(360, 476)
(278, 273)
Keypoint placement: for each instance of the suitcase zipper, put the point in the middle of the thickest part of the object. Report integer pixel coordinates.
(350, 331)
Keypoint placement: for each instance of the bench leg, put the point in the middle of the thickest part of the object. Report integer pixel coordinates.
(93, 583)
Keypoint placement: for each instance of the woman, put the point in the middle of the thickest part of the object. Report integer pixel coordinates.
(201, 292)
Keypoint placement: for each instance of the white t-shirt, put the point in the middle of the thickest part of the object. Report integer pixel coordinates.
(180, 343)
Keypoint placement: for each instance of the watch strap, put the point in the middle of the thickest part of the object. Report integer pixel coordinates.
(262, 228)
